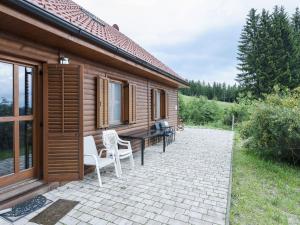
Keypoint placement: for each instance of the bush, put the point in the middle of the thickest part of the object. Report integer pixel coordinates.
(240, 111)
(274, 127)
(199, 111)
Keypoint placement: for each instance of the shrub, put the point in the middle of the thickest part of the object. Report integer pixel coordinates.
(199, 111)
(240, 111)
(274, 127)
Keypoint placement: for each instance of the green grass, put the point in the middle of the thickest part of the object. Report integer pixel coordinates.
(263, 192)
(221, 104)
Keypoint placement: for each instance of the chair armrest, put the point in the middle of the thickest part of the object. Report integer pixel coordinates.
(102, 150)
(123, 143)
(93, 156)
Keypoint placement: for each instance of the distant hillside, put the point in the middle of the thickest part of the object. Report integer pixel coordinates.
(220, 103)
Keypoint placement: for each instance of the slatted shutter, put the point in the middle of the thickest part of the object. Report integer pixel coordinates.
(132, 103)
(63, 137)
(166, 105)
(154, 115)
(102, 102)
(129, 99)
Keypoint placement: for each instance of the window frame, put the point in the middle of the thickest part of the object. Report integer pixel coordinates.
(121, 122)
(16, 119)
(163, 114)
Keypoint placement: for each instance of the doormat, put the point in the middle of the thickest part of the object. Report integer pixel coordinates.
(54, 212)
(23, 209)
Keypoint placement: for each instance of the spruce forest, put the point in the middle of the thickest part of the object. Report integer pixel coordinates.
(269, 51)
(216, 91)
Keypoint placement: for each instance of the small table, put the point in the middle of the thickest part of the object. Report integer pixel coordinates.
(143, 135)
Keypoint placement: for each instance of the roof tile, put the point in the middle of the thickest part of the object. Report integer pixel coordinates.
(78, 16)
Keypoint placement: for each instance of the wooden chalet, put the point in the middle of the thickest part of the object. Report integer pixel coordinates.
(66, 74)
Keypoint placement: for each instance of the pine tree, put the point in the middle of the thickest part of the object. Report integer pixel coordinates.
(265, 64)
(284, 49)
(247, 53)
(269, 51)
(296, 29)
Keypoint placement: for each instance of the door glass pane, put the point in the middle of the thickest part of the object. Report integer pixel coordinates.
(25, 145)
(6, 89)
(6, 148)
(25, 90)
(115, 103)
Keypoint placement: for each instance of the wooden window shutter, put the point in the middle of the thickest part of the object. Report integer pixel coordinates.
(63, 122)
(102, 102)
(154, 115)
(129, 113)
(166, 104)
(132, 103)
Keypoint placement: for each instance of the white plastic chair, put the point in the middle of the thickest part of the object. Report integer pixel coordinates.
(92, 158)
(111, 141)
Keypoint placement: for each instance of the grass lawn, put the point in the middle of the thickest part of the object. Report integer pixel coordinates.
(221, 104)
(263, 192)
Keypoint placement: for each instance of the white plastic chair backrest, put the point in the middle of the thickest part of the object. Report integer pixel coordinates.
(110, 141)
(89, 148)
(166, 123)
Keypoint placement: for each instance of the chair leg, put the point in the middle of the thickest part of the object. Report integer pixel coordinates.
(116, 169)
(99, 177)
(119, 167)
(131, 161)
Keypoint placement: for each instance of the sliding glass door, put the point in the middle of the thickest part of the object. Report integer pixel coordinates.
(16, 122)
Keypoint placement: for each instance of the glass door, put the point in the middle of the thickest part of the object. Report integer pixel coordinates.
(16, 122)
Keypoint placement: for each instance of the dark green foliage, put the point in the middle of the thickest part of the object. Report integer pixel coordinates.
(247, 54)
(216, 91)
(239, 111)
(268, 52)
(199, 111)
(274, 127)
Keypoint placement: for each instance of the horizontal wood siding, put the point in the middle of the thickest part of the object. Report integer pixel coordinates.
(143, 101)
(16, 47)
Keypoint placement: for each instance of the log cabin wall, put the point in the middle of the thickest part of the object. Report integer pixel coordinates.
(143, 101)
(14, 47)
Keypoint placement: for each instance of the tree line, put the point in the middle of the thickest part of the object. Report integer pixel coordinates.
(269, 51)
(216, 91)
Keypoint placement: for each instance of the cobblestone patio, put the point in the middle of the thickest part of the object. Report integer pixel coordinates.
(189, 184)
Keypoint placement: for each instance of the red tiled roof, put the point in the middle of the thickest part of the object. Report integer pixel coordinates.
(78, 16)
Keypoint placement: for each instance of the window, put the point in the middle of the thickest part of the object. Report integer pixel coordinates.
(16, 113)
(160, 104)
(115, 103)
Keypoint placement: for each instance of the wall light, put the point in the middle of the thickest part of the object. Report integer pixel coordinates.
(64, 60)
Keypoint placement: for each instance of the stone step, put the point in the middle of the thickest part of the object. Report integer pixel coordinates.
(22, 191)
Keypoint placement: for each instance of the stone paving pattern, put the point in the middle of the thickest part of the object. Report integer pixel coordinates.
(189, 184)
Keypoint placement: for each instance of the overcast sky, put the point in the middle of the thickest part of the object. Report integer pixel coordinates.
(196, 38)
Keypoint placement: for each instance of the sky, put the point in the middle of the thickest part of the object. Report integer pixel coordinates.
(196, 38)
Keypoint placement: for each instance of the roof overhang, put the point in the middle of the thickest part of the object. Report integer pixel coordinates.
(31, 22)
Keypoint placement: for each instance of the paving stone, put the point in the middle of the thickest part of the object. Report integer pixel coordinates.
(68, 220)
(175, 222)
(182, 217)
(188, 184)
(161, 218)
(122, 221)
(85, 217)
(139, 219)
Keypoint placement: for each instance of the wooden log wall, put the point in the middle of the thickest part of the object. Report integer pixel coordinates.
(13, 47)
